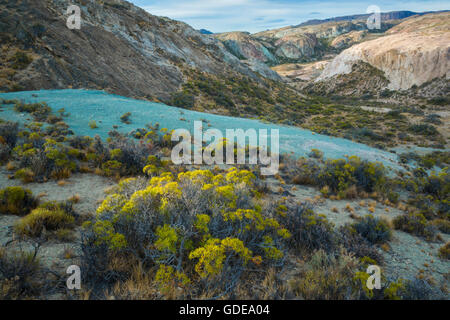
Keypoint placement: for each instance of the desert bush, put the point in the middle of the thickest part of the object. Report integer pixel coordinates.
(93, 124)
(9, 132)
(131, 155)
(81, 143)
(5, 152)
(424, 129)
(18, 275)
(356, 244)
(444, 251)
(16, 201)
(125, 118)
(39, 111)
(42, 158)
(309, 231)
(197, 228)
(339, 175)
(415, 223)
(365, 133)
(442, 225)
(42, 219)
(8, 138)
(21, 60)
(433, 118)
(327, 277)
(315, 153)
(375, 230)
(440, 101)
(438, 185)
(302, 171)
(24, 174)
(417, 289)
(183, 100)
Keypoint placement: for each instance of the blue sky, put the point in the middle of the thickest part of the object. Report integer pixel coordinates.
(259, 15)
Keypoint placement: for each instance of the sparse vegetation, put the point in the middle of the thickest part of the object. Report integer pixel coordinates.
(375, 230)
(34, 224)
(16, 201)
(125, 118)
(417, 224)
(444, 251)
(93, 124)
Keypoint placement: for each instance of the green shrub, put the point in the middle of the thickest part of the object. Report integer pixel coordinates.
(19, 275)
(9, 132)
(21, 60)
(327, 277)
(16, 201)
(340, 174)
(125, 118)
(442, 224)
(39, 111)
(444, 251)
(375, 230)
(42, 219)
(356, 244)
(315, 153)
(205, 227)
(93, 124)
(415, 223)
(424, 129)
(26, 175)
(309, 231)
(183, 100)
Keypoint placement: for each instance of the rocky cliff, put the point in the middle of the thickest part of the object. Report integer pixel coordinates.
(413, 53)
(244, 46)
(120, 48)
(303, 43)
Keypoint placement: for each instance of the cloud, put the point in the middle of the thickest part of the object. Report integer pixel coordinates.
(258, 15)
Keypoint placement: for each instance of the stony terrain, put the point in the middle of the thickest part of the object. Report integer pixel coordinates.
(120, 48)
(301, 72)
(413, 53)
(332, 77)
(307, 41)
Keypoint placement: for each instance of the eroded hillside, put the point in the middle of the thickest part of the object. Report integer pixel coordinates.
(120, 48)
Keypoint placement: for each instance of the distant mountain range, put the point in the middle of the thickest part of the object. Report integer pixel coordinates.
(145, 56)
(393, 15)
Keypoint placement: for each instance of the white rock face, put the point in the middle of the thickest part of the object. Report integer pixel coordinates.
(408, 56)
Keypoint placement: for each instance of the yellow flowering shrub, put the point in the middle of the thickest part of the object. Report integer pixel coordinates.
(167, 239)
(167, 278)
(211, 257)
(190, 225)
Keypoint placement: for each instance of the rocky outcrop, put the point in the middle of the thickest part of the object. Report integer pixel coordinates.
(362, 80)
(119, 48)
(295, 44)
(296, 47)
(348, 40)
(301, 72)
(243, 46)
(413, 53)
(262, 69)
(326, 30)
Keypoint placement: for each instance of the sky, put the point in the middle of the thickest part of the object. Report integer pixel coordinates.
(259, 15)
